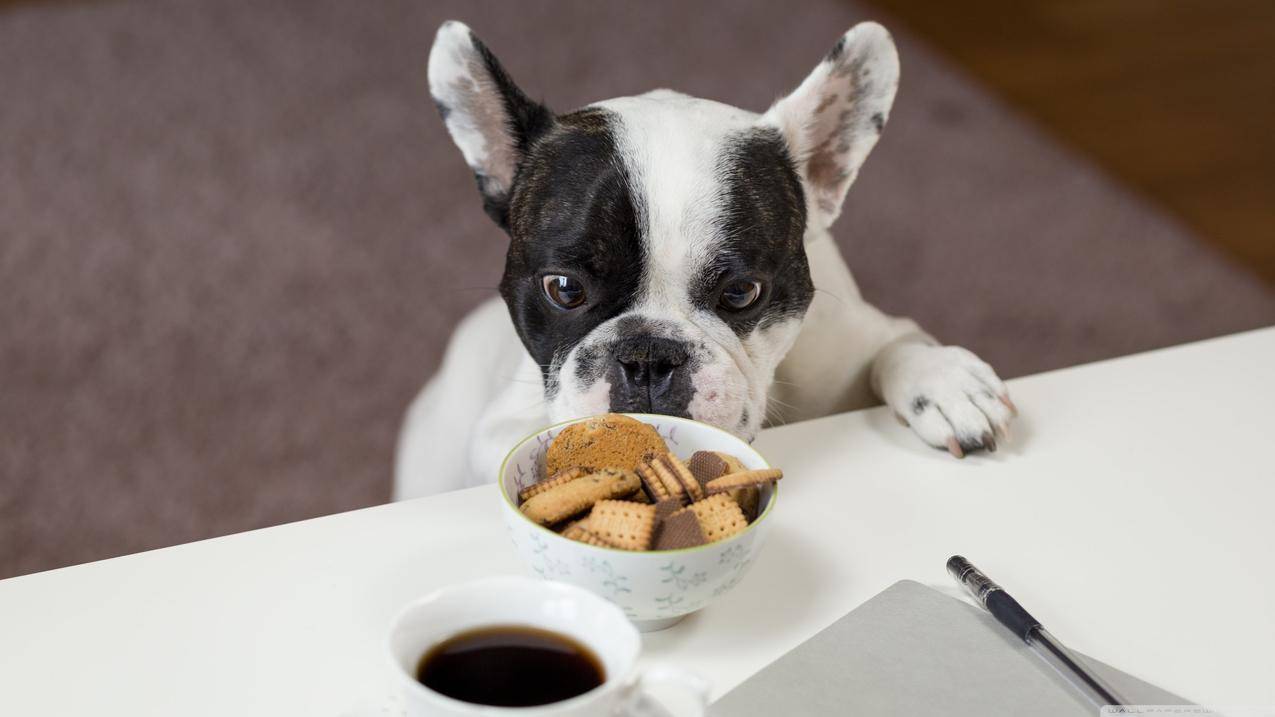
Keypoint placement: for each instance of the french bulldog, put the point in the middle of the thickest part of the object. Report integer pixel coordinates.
(669, 254)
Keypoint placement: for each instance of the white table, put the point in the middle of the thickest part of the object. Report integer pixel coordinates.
(1132, 514)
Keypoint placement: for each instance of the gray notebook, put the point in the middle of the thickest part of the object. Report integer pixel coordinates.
(913, 651)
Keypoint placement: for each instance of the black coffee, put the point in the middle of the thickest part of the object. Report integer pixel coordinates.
(510, 666)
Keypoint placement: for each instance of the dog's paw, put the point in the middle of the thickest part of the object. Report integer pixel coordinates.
(949, 397)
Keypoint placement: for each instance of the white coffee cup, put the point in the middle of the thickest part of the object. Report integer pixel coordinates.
(557, 607)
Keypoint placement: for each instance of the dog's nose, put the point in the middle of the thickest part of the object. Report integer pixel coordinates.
(650, 379)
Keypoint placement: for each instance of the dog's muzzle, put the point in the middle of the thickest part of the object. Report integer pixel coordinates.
(651, 374)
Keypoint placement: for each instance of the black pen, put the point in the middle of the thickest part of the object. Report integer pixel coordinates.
(1009, 613)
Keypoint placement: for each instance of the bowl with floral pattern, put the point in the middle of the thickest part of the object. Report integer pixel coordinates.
(655, 589)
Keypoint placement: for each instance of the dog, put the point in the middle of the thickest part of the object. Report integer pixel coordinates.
(672, 255)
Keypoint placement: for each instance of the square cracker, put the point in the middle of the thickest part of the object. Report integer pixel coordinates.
(623, 524)
(719, 517)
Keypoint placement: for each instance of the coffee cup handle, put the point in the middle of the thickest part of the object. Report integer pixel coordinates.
(696, 689)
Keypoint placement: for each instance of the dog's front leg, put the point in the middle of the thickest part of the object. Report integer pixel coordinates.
(849, 350)
(949, 397)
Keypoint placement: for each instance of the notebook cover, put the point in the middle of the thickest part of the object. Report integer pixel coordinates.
(913, 651)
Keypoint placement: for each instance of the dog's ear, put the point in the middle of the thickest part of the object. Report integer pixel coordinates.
(832, 121)
(489, 118)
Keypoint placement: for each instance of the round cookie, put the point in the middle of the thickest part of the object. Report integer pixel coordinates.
(608, 441)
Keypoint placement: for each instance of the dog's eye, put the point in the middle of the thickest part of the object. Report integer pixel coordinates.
(563, 291)
(740, 295)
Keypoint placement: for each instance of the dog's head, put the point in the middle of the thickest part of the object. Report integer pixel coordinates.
(657, 259)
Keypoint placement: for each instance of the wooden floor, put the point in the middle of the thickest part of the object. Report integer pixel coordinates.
(1175, 97)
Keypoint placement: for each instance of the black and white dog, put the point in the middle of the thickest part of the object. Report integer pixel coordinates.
(671, 255)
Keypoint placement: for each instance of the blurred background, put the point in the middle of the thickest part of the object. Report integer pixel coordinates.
(234, 236)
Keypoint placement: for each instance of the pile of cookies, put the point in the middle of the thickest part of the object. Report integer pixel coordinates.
(613, 482)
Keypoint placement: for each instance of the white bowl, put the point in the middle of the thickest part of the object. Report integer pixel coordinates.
(654, 588)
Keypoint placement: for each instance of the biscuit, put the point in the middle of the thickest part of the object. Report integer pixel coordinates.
(566, 475)
(623, 524)
(574, 497)
(652, 483)
(609, 441)
(665, 508)
(562, 528)
(749, 499)
(677, 531)
(683, 475)
(733, 464)
(670, 480)
(707, 465)
(719, 517)
(580, 533)
(743, 479)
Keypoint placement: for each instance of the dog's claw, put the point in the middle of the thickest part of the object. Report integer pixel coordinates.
(1002, 430)
(1005, 399)
(902, 421)
(947, 396)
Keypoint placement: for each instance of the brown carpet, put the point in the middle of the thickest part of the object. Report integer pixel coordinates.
(234, 237)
